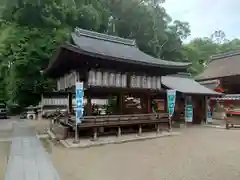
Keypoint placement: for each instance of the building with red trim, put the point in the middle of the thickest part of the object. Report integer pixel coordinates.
(223, 75)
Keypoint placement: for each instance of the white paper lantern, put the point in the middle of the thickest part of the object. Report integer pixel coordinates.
(154, 82)
(144, 82)
(118, 79)
(149, 82)
(105, 78)
(138, 81)
(112, 79)
(123, 80)
(133, 81)
(159, 83)
(99, 78)
(91, 76)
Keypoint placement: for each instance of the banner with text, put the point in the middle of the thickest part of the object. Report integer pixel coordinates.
(188, 109)
(79, 101)
(171, 98)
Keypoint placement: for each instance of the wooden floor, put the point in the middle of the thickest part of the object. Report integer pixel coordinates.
(28, 159)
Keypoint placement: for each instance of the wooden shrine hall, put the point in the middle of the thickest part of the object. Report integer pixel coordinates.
(132, 82)
(223, 75)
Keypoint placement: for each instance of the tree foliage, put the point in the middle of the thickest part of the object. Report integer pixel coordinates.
(199, 50)
(32, 29)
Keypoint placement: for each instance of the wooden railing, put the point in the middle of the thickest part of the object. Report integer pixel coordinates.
(117, 121)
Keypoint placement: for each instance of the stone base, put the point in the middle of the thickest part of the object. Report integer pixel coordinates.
(219, 115)
(84, 143)
(60, 131)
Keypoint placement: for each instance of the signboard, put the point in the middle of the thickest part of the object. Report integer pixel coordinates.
(171, 98)
(79, 101)
(188, 109)
(209, 113)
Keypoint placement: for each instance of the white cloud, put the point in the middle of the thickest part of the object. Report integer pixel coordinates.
(206, 16)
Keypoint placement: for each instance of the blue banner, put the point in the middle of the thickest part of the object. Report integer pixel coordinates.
(79, 101)
(171, 98)
(188, 109)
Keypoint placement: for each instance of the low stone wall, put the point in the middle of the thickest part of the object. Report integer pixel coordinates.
(219, 115)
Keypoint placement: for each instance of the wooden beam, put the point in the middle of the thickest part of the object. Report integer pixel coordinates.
(149, 104)
(89, 104)
(121, 102)
(70, 107)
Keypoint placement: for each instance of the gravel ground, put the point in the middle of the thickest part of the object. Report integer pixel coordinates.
(5, 134)
(199, 153)
(39, 126)
(4, 152)
(6, 128)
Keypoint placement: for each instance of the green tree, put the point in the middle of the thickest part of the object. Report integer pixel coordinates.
(35, 28)
(200, 50)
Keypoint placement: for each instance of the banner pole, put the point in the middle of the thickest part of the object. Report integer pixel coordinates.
(170, 124)
(76, 139)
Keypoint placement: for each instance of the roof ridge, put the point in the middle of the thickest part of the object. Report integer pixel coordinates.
(224, 55)
(181, 75)
(105, 37)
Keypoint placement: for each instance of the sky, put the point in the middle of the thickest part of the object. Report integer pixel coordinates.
(206, 16)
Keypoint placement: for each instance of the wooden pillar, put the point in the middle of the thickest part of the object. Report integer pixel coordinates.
(70, 108)
(143, 102)
(149, 104)
(205, 109)
(89, 105)
(121, 102)
(165, 103)
(42, 104)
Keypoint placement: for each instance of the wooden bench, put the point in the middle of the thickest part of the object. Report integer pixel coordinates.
(119, 121)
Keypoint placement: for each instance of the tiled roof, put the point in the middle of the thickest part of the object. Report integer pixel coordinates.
(223, 65)
(211, 84)
(115, 47)
(186, 85)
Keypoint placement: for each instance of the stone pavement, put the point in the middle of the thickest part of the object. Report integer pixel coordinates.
(28, 159)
